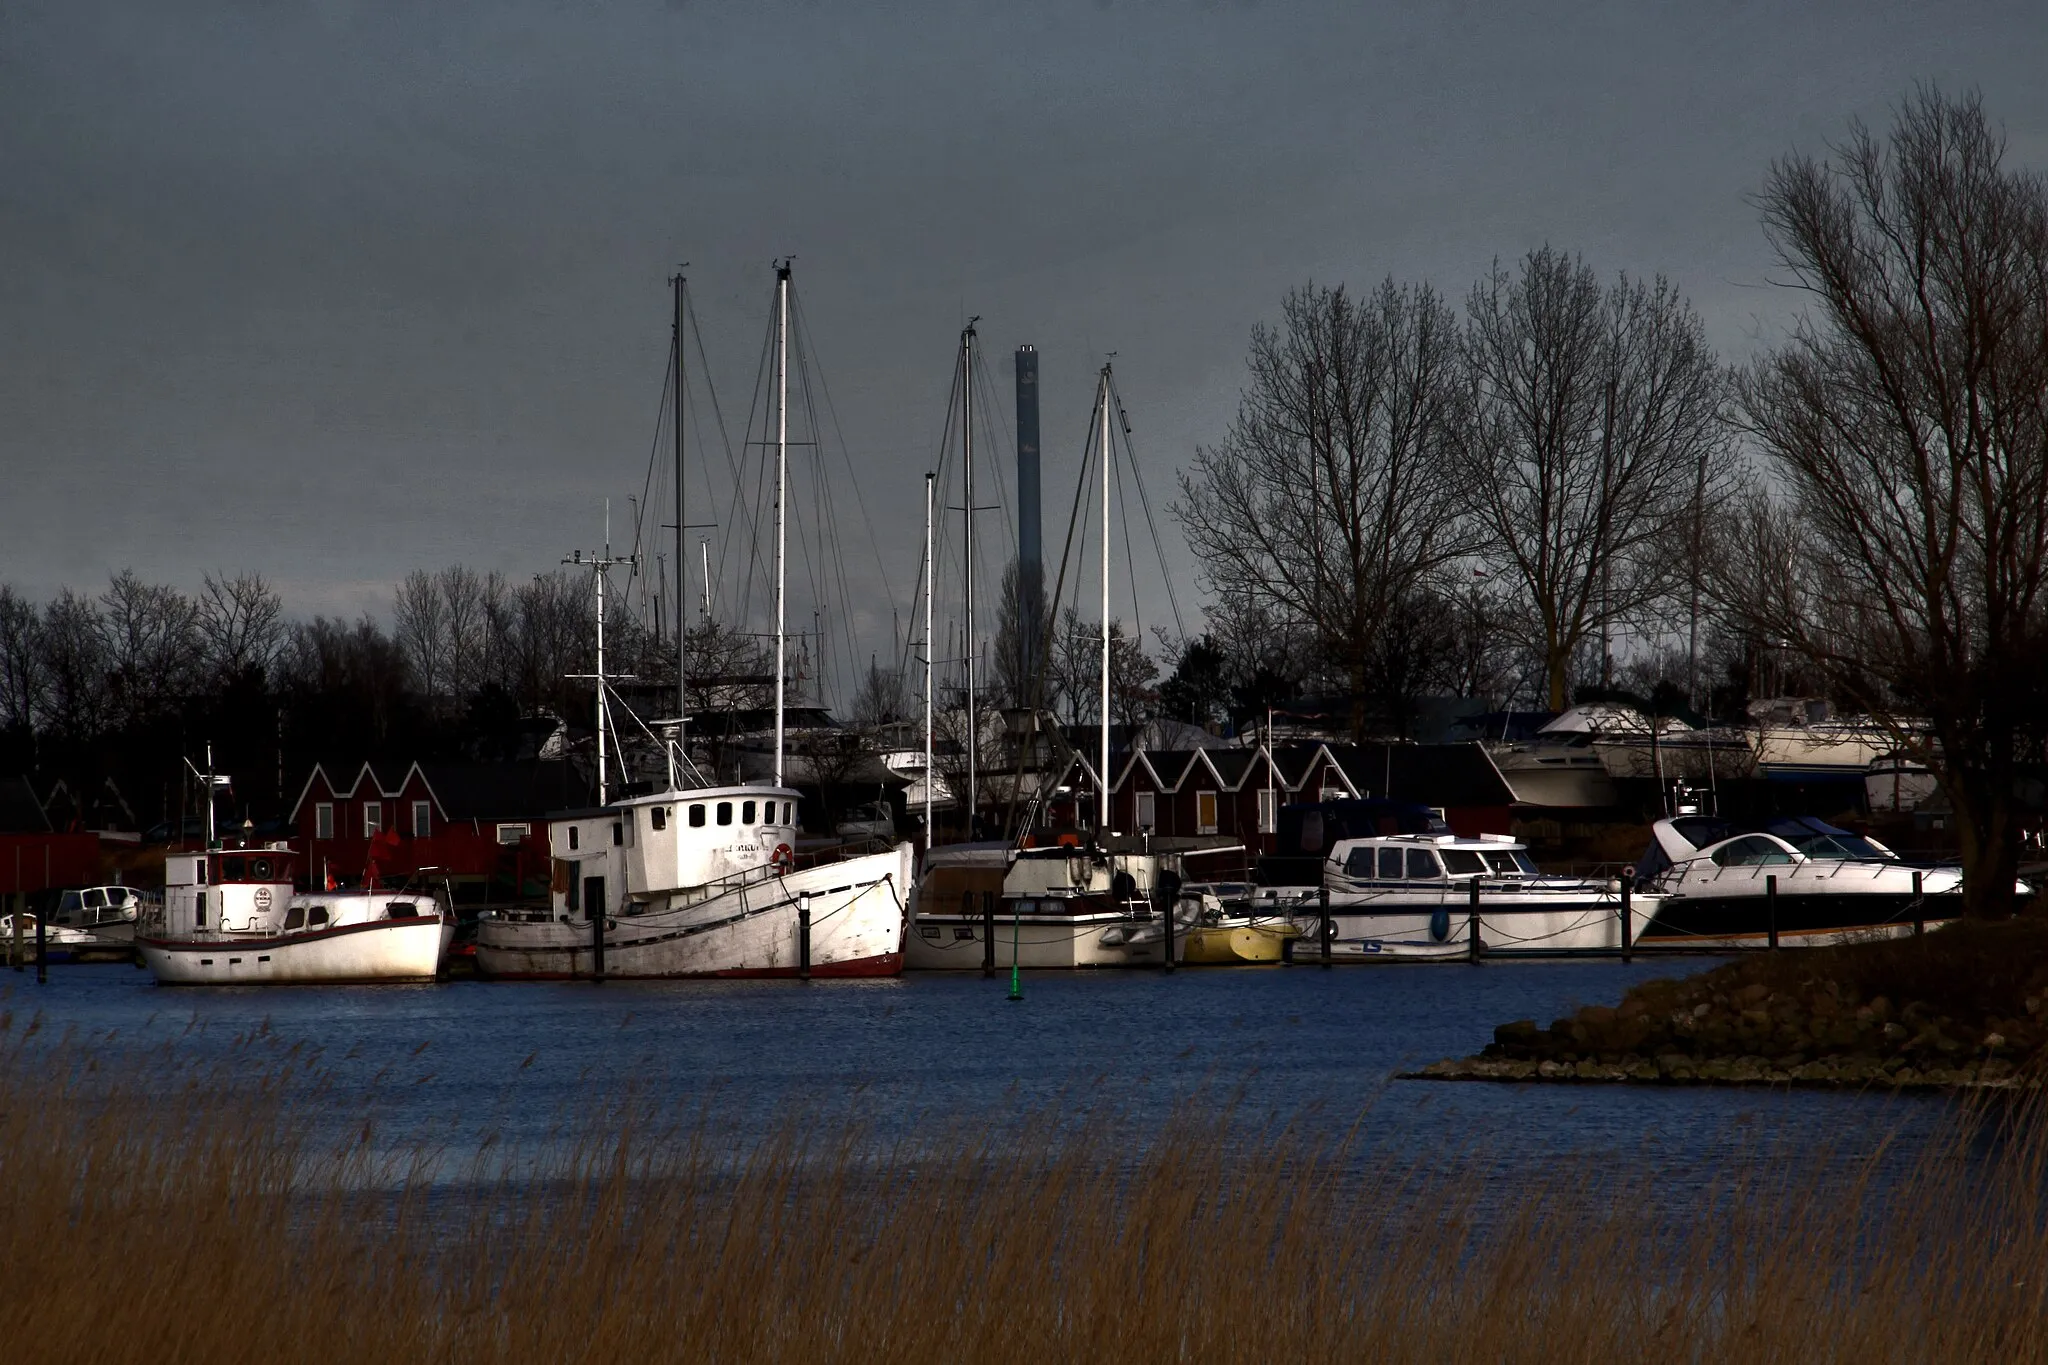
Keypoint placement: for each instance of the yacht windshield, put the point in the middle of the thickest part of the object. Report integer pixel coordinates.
(1507, 862)
(1462, 862)
(1853, 847)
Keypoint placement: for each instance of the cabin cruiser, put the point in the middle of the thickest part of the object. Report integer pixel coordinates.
(231, 916)
(1412, 896)
(1064, 904)
(1720, 884)
(702, 881)
(106, 914)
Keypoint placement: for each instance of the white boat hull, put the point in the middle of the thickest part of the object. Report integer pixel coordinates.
(384, 950)
(938, 943)
(856, 929)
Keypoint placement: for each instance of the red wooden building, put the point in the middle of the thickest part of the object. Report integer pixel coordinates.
(1237, 792)
(483, 826)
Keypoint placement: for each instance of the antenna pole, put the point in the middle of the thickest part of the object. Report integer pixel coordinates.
(1102, 782)
(781, 479)
(928, 567)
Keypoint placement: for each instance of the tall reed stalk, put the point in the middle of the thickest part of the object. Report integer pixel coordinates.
(166, 1213)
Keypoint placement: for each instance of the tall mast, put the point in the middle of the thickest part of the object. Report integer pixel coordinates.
(1102, 781)
(967, 520)
(600, 565)
(929, 565)
(781, 478)
(682, 572)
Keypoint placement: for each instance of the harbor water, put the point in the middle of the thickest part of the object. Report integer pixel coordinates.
(457, 1062)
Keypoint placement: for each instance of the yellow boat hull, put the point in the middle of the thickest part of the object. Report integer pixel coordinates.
(1228, 945)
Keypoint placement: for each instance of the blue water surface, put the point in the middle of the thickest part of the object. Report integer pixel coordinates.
(933, 1053)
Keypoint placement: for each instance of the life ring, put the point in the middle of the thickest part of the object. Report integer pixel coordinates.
(783, 859)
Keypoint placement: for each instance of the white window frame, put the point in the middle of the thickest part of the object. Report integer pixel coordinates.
(1333, 794)
(1215, 805)
(422, 819)
(323, 820)
(1269, 811)
(373, 819)
(1146, 812)
(510, 833)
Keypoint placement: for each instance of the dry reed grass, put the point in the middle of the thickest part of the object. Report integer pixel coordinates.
(188, 1218)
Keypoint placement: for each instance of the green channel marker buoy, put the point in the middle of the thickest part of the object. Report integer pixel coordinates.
(1016, 982)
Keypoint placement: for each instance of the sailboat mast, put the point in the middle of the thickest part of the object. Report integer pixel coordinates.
(683, 574)
(967, 520)
(929, 566)
(603, 707)
(781, 480)
(1102, 781)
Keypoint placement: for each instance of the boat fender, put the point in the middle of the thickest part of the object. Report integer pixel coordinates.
(1124, 887)
(1440, 924)
(783, 859)
(1330, 930)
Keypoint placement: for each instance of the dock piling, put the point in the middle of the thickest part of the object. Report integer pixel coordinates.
(803, 935)
(1472, 923)
(1771, 906)
(1919, 906)
(42, 951)
(1323, 921)
(1627, 922)
(988, 933)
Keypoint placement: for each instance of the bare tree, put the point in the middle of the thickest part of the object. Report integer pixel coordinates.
(1596, 419)
(1333, 496)
(72, 661)
(21, 676)
(151, 646)
(241, 624)
(464, 619)
(419, 621)
(1906, 419)
(883, 696)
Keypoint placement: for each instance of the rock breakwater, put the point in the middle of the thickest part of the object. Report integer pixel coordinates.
(1963, 1008)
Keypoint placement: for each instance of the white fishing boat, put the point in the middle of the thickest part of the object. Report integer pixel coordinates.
(700, 879)
(1413, 896)
(230, 916)
(1795, 879)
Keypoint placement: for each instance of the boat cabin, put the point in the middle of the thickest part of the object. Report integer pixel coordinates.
(670, 843)
(93, 906)
(227, 891)
(1436, 859)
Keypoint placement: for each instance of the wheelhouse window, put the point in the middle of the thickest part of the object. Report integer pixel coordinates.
(1422, 865)
(618, 833)
(1390, 864)
(1359, 863)
(316, 917)
(725, 812)
(1205, 812)
(295, 918)
(323, 820)
(1148, 810)
(1268, 808)
(234, 870)
(657, 817)
(697, 816)
(746, 812)
(373, 818)
(199, 871)
(1463, 862)
(575, 837)
(422, 819)
(789, 812)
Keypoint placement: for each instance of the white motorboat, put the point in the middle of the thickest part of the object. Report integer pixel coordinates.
(702, 882)
(106, 914)
(61, 942)
(230, 916)
(1720, 884)
(1412, 896)
(1067, 905)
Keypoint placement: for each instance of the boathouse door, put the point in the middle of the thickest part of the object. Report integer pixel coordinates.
(593, 897)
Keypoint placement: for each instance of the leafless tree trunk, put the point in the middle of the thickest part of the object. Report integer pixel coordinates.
(73, 664)
(151, 645)
(21, 677)
(463, 629)
(1594, 413)
(1333, 496)
(1906, 420)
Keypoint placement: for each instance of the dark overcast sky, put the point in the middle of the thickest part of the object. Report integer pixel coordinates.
(331, 291)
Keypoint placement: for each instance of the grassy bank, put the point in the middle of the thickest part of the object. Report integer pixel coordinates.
(1964, 1006)
(190, 1219)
